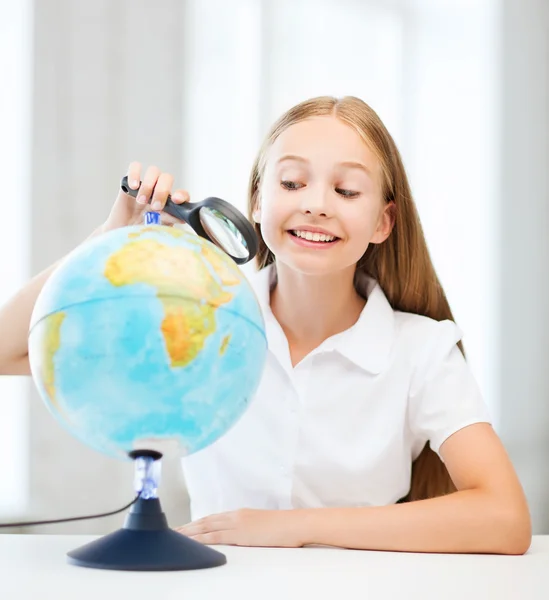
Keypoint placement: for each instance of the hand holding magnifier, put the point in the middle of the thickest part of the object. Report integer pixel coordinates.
(215, 220)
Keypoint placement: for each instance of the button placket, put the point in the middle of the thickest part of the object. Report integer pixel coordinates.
(301, 376)
(292, 411)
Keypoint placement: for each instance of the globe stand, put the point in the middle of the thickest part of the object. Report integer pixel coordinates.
(145, 542)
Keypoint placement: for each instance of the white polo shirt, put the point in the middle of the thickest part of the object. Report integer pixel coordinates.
(343, 427)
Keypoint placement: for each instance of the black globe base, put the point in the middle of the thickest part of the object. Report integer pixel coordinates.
(146, 543)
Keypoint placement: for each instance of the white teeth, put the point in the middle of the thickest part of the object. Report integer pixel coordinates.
(314, 237)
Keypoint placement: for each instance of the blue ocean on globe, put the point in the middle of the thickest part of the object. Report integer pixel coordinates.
(147, 337)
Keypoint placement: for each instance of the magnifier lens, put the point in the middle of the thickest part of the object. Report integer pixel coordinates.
(223, 232)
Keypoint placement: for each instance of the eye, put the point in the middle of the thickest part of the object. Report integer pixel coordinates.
(347, 193)
(291, 185)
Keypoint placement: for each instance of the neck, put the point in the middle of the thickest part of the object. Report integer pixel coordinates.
(312, 308)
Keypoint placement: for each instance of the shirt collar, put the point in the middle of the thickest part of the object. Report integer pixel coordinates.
(367, 343)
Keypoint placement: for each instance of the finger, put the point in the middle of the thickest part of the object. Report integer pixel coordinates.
(208, 524)
(215, 537)
(147, 186)
(167, 219)
(134, 175)
(197, 529)
(162, 190)
(180, 196)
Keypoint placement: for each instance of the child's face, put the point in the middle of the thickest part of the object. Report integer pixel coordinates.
(321, 181)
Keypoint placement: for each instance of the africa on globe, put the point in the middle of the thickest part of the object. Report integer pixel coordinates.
(147, 337)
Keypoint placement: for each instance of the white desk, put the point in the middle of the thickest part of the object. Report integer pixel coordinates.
(34, 566)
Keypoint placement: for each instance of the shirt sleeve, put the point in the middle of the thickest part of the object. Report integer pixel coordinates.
(444, 395)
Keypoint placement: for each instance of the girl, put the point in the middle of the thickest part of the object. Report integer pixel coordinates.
(368, 430)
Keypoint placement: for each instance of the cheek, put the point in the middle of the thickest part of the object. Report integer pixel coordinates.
(360, 220)
(272, 219)
(360, 227)
(272, 210)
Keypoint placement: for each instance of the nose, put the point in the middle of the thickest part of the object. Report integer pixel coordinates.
(316, 203)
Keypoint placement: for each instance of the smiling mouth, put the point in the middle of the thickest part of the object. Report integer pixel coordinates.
(311, 236)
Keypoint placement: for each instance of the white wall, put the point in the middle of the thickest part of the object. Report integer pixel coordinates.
(222, 49)
(451, 155)
(15, 148)
(523, 246)
(334, 48)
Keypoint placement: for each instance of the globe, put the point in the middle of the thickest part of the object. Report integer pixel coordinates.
(147, 337)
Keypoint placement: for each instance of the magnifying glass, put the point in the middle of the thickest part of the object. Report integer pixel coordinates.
(215, 220)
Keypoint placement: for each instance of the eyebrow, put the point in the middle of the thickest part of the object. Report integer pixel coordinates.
(351, 164)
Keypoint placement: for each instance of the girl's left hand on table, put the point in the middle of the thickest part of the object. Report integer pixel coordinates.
(247, 527)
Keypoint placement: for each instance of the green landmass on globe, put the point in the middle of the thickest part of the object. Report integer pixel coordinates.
(147, 334)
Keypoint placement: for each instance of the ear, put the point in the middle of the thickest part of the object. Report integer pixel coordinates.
(385, 224)
(256, 213)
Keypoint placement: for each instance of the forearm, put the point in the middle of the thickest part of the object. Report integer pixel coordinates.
(470, 521)
(15, 318)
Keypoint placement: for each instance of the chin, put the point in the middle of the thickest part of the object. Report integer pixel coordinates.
(315, 266)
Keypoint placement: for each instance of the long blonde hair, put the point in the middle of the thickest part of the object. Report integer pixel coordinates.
(401, 265)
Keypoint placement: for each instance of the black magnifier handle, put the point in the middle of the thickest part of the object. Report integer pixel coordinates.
(179, 211)
(189, 212)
